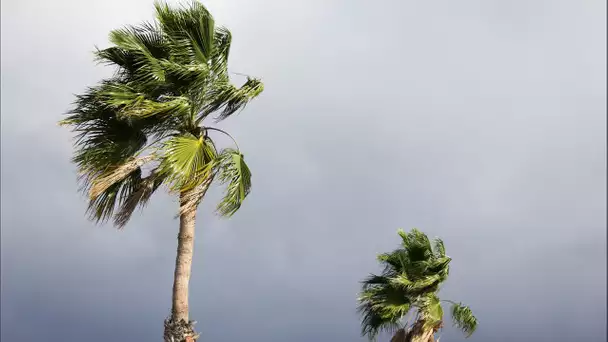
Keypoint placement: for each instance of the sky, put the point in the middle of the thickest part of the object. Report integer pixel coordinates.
(479, 121)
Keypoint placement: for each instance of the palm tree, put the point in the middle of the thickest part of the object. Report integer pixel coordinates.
(403, 299)
(146, 126)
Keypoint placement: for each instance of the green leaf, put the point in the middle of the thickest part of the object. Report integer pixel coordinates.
(187, 161)
(146, 45)
(130, 103)
(228, 99)
(463, 318)
(233, 172)
(430, 310)
(190, 28)
(438, 248)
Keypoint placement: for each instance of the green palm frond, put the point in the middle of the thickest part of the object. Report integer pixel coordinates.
(430, 310)
(145, 39)
(229, 99)
(123, 60)
(438, 248)
(417, 245)
(234, 172)
(101, 141)
(222, 41)
(130, 104)
(381, 305)
(375, 280)
(373, 321)
(463, 318)
(146, 45)
(187, 161)
(189, 29)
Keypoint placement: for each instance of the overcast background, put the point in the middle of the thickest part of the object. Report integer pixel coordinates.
(483, 122)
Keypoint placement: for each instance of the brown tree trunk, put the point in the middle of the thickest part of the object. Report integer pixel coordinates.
(178, 328)
(183, 265)
(399, 336)
(416, 334)
(424, 336)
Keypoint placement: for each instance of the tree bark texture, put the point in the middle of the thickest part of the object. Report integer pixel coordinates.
(416, 334)
(183, 265)
(178, 328)
(399, 336)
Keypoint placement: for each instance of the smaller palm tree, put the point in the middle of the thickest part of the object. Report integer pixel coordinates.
(403, 300)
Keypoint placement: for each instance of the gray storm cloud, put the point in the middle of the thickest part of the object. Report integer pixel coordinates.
(482, 122)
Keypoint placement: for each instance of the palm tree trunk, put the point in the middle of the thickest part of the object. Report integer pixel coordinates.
(183, 265)
(424, 336)
(178, 328)
(416, 334)
(399, 336)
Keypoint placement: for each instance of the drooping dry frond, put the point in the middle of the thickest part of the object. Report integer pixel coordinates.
(102, 182)
(139, 197)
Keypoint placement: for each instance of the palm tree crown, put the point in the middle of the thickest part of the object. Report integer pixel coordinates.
(170, 76)
(409, 283)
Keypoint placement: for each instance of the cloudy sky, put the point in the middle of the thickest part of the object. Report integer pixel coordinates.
(483, 122)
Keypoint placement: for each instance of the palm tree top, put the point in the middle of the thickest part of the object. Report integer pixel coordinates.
(171, 75)
(407, 288)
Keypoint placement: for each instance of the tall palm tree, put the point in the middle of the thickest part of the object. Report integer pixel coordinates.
(147, 126)
(404, 298)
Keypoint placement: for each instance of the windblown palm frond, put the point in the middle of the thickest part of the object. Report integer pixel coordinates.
(463, 318)
(101, 207)
(138, 197)
(409, 282)
(170, 75)
(188, 161)
(230, 99)
(234, 172)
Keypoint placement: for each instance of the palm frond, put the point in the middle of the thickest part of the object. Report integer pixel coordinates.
(373, 322)
(146, 45)
(189, 28)
(430, 310)
(438, 248)
(234, 172)
(463, 318)
(229, 99)
(124, 60)
(102, 182)
(374, 280)
(188, 161)
(222, 42)
(130, 104)
(102, 206)
(101, 141)
(381, 305)
(138, 197)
